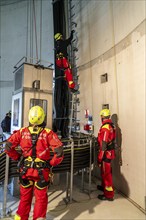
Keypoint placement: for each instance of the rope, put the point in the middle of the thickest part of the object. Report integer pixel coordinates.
(40, 30)
(115, 61)
(35, 29)
(12, 3)
(90, 65)
(27, 28)
(30, 31)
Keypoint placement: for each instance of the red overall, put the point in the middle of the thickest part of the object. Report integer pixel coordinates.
(62, 62)
(47, 140)
(106, 134)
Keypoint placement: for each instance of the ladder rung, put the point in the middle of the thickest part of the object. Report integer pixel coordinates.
(72, 15)
(75, 119)
(72, 7)
(75, 49)
(74, 23)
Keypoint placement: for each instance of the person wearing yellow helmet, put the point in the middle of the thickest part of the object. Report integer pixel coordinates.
(62, 62)
(36, 115)
(105, 113)
(106, 138)
(34, 164)
(58, 36)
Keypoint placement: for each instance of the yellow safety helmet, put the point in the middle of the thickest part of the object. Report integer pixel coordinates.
(58, 36)
(36, 115)
(105, 113)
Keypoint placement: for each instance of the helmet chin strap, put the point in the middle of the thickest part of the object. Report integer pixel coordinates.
(35, 127)
(102, 119)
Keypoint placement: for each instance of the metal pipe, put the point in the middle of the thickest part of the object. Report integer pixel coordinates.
(90, 163)
(67, 180)
(5, 186)
(72, 169)
(71, 115)
(82, 179)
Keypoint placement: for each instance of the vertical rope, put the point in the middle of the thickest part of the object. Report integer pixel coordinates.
(115, 61)
(30, 32)
(40, 30)
(35, 30)
(27, 14)
(90, 69)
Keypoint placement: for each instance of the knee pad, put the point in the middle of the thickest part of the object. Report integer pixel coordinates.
(17, 217)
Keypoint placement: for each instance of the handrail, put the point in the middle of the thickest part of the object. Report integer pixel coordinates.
(69, 190)
(34, 61)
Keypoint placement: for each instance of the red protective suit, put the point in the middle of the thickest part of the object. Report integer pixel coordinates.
(63, 63)
(34, 174)
(106, 136)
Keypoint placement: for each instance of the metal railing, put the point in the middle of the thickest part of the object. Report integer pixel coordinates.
(80, 145)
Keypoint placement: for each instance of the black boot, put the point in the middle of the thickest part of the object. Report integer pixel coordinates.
(102, 197)
(99, 187)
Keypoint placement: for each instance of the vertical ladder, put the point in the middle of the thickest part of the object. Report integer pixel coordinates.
(74, 122)
(74, 100)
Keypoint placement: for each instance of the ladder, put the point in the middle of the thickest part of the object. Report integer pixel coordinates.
(74, 100)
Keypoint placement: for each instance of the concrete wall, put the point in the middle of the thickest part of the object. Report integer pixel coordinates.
(111, 39)
(18, 39)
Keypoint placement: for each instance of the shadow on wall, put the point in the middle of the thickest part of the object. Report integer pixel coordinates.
(120, 182)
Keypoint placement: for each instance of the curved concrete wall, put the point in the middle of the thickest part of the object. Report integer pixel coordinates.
(111, 39)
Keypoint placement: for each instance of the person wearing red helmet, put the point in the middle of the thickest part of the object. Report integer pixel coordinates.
(35, 143)
(106, 138)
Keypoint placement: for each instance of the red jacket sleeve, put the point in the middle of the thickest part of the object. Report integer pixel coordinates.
(11, 144)
(57, 148)
(103, 140)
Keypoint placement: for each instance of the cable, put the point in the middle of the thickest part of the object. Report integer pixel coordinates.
(13, 2)
(27, 14)
(35, 28)
(40, 30)
(115, 61)
(30, 32)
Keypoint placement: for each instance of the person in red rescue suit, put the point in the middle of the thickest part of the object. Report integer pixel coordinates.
(106, 137)
(35, 142)
(62, 57)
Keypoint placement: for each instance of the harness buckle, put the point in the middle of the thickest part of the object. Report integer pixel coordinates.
(32, 164)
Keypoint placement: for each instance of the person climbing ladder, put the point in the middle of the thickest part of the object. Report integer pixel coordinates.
(62, 57)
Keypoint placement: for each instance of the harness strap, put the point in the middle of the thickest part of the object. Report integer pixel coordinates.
(35, 138)
(111, 146)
